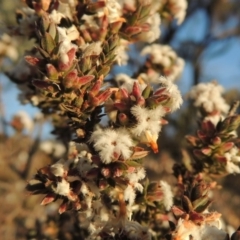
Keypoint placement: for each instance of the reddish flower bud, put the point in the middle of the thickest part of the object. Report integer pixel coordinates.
(71, 55)
(63, 207)
(104, 96)
(130, 31)
(48, 199)
(80, 81)
(96, 87)
(32, 60)
(136, 91)
(123, 119)
(52, 72)
(115, 26)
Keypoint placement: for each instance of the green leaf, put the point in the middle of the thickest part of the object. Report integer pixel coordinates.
(133, 163)
(48, 43)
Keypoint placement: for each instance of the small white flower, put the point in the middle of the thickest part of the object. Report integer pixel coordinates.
(65, 46)
(84, 189)
(147, 119)
(62, 188)
(167, 195)
(113, 10)
(154, 32)
(111, 144)
(134, 177)
(172, 90)
(58, 169)
(233, 160)
(121, 52)
(56, 16)
(129, 195)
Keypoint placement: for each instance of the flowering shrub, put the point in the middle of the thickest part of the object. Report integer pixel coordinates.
(110, 127)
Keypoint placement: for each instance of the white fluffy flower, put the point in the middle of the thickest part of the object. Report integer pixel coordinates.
(65, 46)
(167, 195)
(121, 52)
(62, 188)
(113, 10)
(147, 119)
(233, 160)
(112, 144)
(129, 195)
(175, 95)
(209, 97)
(55, 16)
(148, 124)
(154, 32)
(58, 169)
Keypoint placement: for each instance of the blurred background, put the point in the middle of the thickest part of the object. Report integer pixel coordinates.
(209, 42)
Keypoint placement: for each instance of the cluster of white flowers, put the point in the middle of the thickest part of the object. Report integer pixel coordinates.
(209, 97)
(166, 58)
